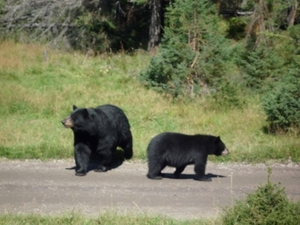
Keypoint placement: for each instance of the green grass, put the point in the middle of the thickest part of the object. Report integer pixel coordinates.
(108, 218)
(35, 95)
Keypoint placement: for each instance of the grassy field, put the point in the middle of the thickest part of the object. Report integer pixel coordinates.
(109, 218)
(40, 85)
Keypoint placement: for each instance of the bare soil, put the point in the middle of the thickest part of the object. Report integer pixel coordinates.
(34, 186)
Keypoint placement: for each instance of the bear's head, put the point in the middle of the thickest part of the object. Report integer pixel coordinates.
(81, 119)
(220, 148)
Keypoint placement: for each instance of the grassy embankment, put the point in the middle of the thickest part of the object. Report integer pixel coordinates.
(36, 94)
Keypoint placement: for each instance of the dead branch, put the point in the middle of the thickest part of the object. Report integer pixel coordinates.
(40, 17)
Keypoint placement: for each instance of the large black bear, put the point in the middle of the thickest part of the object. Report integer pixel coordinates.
(179, 150)
(98, 130)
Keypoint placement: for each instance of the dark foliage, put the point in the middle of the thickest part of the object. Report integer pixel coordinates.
(112, 26)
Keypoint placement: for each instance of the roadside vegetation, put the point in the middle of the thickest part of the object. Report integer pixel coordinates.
(269, 204)
(104, 219)
(40, 85)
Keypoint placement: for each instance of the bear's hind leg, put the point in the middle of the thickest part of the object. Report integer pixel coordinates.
(127, 147)
(82, 158)
(155, 169)
(178, 171)
(106, 156)
(200, 172)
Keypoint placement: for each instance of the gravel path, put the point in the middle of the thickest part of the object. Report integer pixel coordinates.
(33, 186)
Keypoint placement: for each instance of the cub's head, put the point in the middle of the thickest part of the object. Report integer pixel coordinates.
(220, 148)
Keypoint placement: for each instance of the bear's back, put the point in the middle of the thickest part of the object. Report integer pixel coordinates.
(115, 115)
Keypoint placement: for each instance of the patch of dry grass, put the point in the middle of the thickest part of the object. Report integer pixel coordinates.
(16, 56)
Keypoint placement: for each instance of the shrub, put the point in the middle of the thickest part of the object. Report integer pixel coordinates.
(227, 95)
(267, 205)
(281, 102)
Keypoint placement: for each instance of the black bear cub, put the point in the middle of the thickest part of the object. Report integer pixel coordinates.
(179, 150)
(98, 130)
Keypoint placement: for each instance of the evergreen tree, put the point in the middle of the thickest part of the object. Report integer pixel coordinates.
(193, 48)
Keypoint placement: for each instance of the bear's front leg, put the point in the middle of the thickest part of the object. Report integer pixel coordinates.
(82, 158)
(200, 172)
(178, 171)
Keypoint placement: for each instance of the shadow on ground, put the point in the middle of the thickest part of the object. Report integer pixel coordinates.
(191, 176)
(118, 159)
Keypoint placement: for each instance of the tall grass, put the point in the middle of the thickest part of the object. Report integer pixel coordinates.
(39, 86)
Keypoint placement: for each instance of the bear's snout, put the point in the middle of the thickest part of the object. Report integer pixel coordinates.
(67, 122)
(225, 152)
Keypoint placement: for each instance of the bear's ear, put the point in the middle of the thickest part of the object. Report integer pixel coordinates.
(85, 113)
(92, 117)
(74, 107)
(218, 139)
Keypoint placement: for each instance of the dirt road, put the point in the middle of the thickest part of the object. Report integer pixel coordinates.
(49, 188)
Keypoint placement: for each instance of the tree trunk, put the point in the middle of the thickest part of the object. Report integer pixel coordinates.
(292, 14)
(156, 24)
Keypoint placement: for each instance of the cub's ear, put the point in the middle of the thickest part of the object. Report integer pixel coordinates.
(74, 107)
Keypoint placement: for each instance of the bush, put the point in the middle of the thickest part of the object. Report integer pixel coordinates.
(227, 95)
(259, 65)
(168, 70)
(267, 205)
(282, 102)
